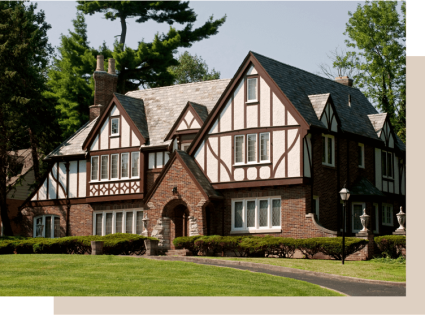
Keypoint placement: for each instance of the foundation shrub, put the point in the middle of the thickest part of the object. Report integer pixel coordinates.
(187, 242)
(114, 244)
(309, 247)
(332, 246)
(391, 246)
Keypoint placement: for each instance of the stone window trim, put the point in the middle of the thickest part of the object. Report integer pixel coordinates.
(361, 157)
(54, 223)
(257, 228)
(124, 212)
(115, 126)
(328, 155)
(387, 214)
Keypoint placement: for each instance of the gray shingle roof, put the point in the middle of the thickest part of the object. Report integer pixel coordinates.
(201, 110)
(363, 187)
(73, 145)
(163, 105)
(136, 110)
(378, 121)
(319, 102)
(198, 174)
(23, 157)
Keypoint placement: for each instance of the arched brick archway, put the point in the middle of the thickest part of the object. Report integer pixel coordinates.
(178, 213)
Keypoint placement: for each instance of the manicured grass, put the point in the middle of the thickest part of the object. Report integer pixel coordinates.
(86, 275)
(373, 270)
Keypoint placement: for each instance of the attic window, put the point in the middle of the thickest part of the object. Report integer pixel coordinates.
(115, 124)
(251, 94)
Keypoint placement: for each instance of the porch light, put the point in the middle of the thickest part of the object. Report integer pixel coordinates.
(345, 194)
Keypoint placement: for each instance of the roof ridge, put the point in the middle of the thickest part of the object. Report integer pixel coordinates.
(139, 99)
(305, 71)
(177, 85)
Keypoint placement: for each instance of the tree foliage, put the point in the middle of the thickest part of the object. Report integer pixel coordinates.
(24, 109)
(377, 51)
(192, 69)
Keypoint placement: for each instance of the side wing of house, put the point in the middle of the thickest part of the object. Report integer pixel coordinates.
(257, 135)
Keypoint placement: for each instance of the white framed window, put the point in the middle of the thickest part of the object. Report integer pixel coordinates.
(376, 215)
(251, 90)
(115, 127)
(315, 206)
(265, 147)
(360, 155)
(104, 171)
(239, 149)
(117, 221)
(251, 148)
(357, 211)
(387, 164)
(387, 214)
(47, 226)
(328, 150)
(114, 166)
(256, 215)
(94, 168)
(135, 156)
(124, 165)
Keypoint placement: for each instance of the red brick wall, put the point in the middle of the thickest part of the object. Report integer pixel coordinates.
(105, 85)
(151, 176)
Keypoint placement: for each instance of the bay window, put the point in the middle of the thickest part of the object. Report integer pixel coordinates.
(256, 215)
(264, 147)
(117, 221)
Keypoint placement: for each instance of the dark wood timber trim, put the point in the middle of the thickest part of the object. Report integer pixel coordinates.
(114, 151)
(252, 131)
(285, 154)
(185, 132)
(56, 202)
(88, 175)
(219, 160)
(114, 197)
(35, 191)
(260, 183)
(180, 119)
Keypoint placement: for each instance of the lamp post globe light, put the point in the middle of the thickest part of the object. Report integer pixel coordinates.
(345, 195)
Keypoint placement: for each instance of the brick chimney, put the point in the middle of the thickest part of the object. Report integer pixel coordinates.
(105, 84)
(344, 80)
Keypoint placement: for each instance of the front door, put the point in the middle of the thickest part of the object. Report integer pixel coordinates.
(180, 221)
(355, 218)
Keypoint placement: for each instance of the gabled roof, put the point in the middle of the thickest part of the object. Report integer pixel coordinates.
(136, 110)
(319, 102)
(73, 145)
(163, 105)
(194, 171)
(363, 187)
(200, 113)
(24, 157)
(378, 121)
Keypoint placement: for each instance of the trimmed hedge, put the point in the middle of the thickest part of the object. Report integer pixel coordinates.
(114, 244)
(269, 245)
(391, 245)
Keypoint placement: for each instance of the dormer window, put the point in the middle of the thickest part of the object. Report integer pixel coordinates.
(115, 126)
(251, 90)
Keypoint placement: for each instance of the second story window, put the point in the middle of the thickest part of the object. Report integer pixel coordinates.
(251, 90)
(124, 165)
(239, 149)
(115, 124)
(328, 150)
(114, 166)
(135, 164)
(387, 164)
(104, 167)
(264, 147)
(252, 148)
(94, 168)
(360, 155)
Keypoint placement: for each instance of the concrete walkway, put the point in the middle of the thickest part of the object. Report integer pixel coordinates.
(346, 285)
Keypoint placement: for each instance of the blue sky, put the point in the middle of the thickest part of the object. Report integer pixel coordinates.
(297, 33)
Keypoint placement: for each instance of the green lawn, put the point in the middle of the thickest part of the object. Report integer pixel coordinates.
(86, 275)
(357, 269)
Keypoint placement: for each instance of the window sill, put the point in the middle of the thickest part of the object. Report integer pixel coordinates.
(113, 180)
(252, 102)
(114, 136)
(253, 164)
(329, 166)
(259, 231)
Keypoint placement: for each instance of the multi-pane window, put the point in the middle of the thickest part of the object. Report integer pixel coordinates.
(357, 212)
(328, 151)
(117, 221)
(252, 148)
(256, 214)
(264, 147)
(387, 164)
(158, 159)
(387, 214)
(47, 226)
(114, 166)
(251, 90)
(360, 155)
(115, 125)
(135, 164)
(124, 165)
(104, 167)
(239, 150)
(95, 168)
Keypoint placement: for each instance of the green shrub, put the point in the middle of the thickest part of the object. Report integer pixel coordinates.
(114, 244)
(391, 245)
(187, 242)
(332, 246)
(310, 246)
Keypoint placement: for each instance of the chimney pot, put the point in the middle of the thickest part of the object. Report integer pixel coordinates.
(345, 80)
(111, 66)
(99, 66)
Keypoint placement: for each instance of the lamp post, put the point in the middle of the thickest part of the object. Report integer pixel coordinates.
(345, 194)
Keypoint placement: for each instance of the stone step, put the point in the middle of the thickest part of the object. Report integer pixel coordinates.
(178, 252)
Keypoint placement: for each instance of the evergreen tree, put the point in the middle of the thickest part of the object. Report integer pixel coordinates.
(147, 65)
(24, 110)
(192, 69)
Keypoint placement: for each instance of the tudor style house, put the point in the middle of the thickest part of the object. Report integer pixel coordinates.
(266, 152)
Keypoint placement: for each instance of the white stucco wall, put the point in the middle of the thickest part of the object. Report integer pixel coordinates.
(238, 174)
(226, 117)
(214, 128)
(252, 116)
(264, 103)
(199, 155)
(72, 190)
(278, 112)
(251, 70)
(42, 192)
(115, 111)
(95, 144)
(226, 157)
(294, 154)
(239, 106)
(265, 172)
(115, 143)
(278, 150)
(212, 163)
(83, 178)
(251, 173)
(125, 133)
(52, 183)
(195, 125)
(135, 142)
(104, 135)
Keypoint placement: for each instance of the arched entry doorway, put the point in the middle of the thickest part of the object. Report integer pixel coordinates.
(180, 219)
